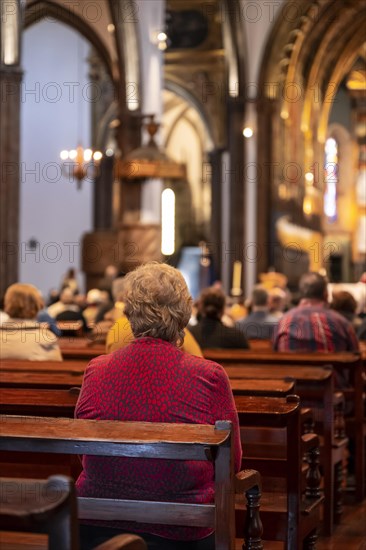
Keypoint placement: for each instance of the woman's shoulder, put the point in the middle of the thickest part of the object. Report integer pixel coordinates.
(201, 365)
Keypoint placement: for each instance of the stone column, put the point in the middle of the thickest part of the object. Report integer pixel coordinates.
(215, 244)
(10, 80)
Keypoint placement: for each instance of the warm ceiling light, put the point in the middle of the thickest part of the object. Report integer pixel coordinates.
(248, 132)
(162, 37)
(97, 156)
(309, 177)
(64, 155)
(88, 153)
(84, 163)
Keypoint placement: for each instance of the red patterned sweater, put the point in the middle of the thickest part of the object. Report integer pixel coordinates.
(152, 380)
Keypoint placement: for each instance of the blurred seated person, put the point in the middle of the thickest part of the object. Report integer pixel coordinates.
(210, 331)
(259, 324)
(312, 325)
(22, 337)
(94, 299)
(65, 303)
(70, 281)
(237, 311)
(277, 302)
(44, 317)
(346, 305)
(3, 317)
(106, 283)
(75, 319)
(152, 380)
(109, 313)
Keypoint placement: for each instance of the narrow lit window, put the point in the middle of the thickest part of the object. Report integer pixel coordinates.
(167, 222)
(331, 179)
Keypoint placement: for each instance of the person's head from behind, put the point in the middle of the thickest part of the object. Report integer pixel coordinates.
(111, 272)
(211, 302)
(313, 286)
(67, 296)
(259, 299)
(157, 302)
(277, 299)
(117, 287)
(22, 301)
(343, 301)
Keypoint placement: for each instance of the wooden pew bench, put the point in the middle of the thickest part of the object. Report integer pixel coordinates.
(148, 440)
(38, 402)
(267, 387)
(350, 365)
(56, 380)
(65, 367)
(271, 438)
(45, 380)
(80, 348)
(315, 386)
(33, 506)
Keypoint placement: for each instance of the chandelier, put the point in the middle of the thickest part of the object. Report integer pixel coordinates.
(79, 164)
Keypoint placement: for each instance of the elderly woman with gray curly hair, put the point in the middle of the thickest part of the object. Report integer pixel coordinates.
(153, 380)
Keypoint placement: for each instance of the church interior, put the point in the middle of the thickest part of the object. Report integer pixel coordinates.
(227, 139)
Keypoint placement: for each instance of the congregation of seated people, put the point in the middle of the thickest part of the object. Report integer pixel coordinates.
(154, 369)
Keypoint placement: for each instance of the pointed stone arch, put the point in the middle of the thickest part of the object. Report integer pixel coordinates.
(308, 52)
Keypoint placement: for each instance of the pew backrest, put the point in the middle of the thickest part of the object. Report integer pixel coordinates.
(142, 440)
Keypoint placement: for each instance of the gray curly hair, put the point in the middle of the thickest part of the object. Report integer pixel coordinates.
(157, 302)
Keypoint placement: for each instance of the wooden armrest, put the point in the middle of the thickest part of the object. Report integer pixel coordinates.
(123, 542)
(338, 398)
(247, 479)
(19, 509)
(307, 420)
(309, 441)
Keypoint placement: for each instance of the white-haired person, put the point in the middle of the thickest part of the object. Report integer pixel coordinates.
(153, 380)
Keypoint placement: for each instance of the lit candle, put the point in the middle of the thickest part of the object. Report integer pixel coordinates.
(236, 287)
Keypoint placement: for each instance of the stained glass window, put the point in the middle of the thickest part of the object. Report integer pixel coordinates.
(331, 179)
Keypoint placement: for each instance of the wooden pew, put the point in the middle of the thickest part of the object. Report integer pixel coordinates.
(38, 402)
(44, 380)
(315, 386)
(80, 348)
(148, 440)
(271, 438)
(56, 380)
(33, 506)
(236, 356)
(348, 365)
(260, 345)
(72, 366)
(267, 387)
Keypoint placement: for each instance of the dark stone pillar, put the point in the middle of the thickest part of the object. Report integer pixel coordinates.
(235, 116)
(267, 204)
(103, 195)
(215, 158)
(10, 79)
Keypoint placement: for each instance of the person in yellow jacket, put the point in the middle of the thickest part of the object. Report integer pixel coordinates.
(120, 335)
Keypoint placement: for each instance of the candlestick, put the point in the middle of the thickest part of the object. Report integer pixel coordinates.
(236, 286)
